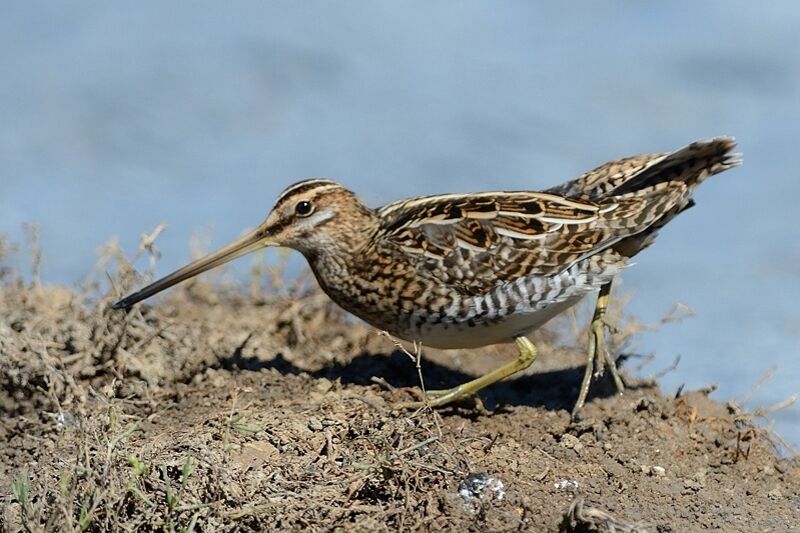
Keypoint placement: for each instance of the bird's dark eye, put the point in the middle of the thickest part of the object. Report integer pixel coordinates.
(303, 208)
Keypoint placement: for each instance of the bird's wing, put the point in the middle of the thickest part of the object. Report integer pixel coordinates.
(477, 241)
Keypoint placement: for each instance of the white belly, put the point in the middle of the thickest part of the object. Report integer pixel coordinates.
(500, 330)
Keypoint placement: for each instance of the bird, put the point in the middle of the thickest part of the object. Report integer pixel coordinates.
(471, 270)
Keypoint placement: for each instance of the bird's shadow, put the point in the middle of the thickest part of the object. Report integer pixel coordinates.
(553, 389)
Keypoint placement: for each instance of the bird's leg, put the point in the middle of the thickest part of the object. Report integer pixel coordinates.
(527, 355)
(597, 346)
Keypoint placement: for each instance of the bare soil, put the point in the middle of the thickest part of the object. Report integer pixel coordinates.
(225, 409)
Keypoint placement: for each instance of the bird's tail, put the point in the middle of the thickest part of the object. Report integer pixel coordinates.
(689, 165)
(653, 196)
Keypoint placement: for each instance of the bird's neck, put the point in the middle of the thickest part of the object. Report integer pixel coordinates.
(338, 249)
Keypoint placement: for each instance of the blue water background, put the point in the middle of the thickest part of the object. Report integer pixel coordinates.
(115, 117)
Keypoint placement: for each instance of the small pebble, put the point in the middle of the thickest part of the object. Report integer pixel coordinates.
(481, 488)
(571, 442)
(570, 485)
(314, 424)
(66, 420)
(659, 471)
(324, 385)
(775, 494)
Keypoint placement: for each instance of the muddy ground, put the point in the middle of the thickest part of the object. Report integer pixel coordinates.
(227, 408)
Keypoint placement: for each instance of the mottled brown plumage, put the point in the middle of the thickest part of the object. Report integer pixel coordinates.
(467, 270)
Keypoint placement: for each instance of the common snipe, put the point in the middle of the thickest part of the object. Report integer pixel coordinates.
(469, 270)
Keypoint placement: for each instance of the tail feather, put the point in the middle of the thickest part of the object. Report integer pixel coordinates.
(691, 165)
(664, 189)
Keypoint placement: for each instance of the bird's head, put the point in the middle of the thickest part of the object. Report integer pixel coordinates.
(314, 216)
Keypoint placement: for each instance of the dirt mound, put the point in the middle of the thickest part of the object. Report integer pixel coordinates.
(214, 411)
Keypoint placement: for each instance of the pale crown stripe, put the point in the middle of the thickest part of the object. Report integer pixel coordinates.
(324, 184)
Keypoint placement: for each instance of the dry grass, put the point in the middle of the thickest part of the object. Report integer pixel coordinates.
(228, 408)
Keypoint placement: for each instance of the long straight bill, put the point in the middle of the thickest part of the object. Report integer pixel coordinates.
(249, 243)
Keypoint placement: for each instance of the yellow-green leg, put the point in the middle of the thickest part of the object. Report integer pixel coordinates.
(527, 355)
(597, 345)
